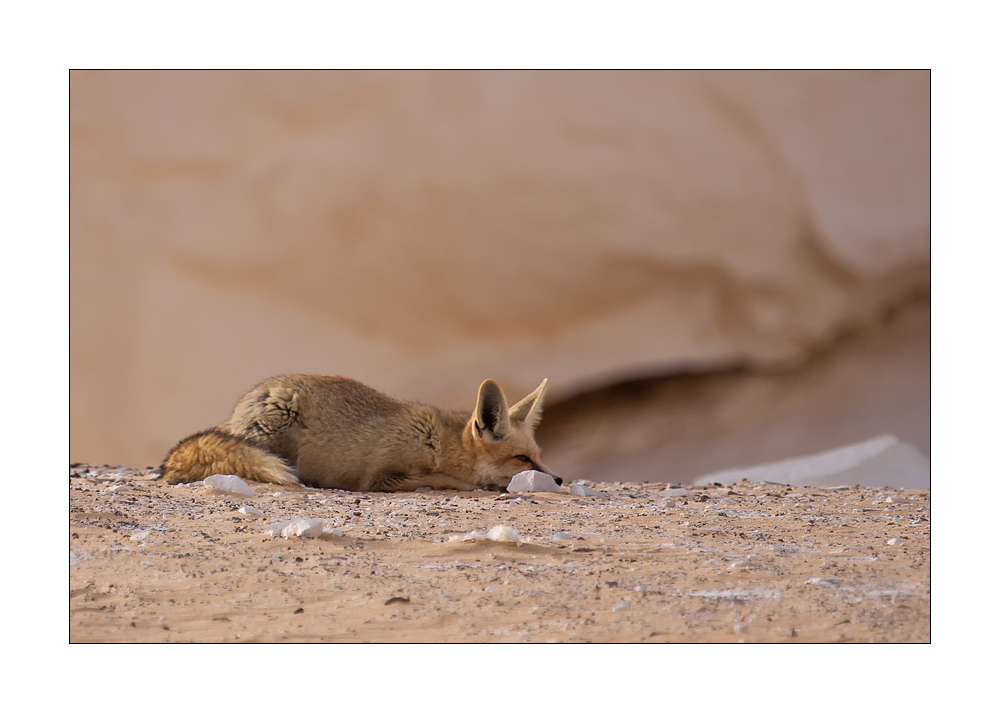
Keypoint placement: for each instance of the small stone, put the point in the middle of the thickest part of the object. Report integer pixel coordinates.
(740, 628)
(229, 484)
(296, 528)
(562, 536)
(116, 488)
(894, 541)
(532, 481)
(577, 489)
(251, 510)
(504, 533)
(893, 499)
(623, 606)
(822, 582)
(140, 535)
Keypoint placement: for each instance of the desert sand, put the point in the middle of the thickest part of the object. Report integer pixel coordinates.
(154, 562)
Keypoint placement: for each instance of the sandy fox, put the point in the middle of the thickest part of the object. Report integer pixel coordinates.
(334, 432)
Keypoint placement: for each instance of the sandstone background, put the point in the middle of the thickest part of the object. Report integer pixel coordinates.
(712, 269)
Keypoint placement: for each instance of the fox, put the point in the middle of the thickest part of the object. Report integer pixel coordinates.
(335, 432)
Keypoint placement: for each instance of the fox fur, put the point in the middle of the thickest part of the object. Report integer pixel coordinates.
(334, 432)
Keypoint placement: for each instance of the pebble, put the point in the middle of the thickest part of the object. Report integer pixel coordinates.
(296, 528)
(229, 484)
(740, 628)
(894, 541)
(251, 510)
(140, 535)
(562, 536)
(116, 488)
(504, 533)
(577, 489)
(822, 582)
(532, 481)
(622, 606)
(895, 499)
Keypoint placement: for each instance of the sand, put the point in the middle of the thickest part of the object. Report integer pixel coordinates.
(152, 562)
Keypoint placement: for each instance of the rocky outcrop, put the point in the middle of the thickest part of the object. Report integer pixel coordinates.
(421, 232)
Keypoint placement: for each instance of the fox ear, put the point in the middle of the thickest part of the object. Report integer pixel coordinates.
(529, 409)
(491, 414)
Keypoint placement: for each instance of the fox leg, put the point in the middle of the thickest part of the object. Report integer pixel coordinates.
(438, 481)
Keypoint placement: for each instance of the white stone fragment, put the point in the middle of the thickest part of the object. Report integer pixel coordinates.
(878, 463)
(893, 499)
(562, 536)
(140, 535)
(740, 629)
(577, 489)
(333, 532)
(894, 541)
(532, 481)
(504, 533)
(474, 535)
(251, 510)
(822, 582)
(116, 488)
(229, 484)
(295, 528)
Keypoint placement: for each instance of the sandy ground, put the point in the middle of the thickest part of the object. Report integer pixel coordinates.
(152, 562)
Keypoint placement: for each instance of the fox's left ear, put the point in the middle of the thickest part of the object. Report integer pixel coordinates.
(529, 409)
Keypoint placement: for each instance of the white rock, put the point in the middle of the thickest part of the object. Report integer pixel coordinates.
(474, 535)
(229, 484)
(140, 535)
(577, 489)
(740, 628)
(251, 510)
(504, 533)
(296, 528)
(893, 499)
(116, 488)
(894, 541)
(562, 536)
(822, 582)
(532, 481)
(881, 462)
(333, 532)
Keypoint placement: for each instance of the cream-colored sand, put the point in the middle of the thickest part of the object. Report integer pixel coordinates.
(155, 562)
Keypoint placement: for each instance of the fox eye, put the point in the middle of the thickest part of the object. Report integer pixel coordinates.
(523, 459)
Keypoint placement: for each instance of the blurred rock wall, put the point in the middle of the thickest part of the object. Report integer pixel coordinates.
(424, 231)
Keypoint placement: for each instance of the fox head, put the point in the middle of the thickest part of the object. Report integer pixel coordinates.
(502, 439)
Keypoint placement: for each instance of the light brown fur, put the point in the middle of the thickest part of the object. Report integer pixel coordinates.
(334, 432)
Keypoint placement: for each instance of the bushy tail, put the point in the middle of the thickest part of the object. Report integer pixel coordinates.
(214, 451)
